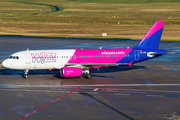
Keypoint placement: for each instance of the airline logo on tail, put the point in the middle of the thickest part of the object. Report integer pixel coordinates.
(152, 39)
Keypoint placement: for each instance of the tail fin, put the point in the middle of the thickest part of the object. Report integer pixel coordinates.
(152, 39)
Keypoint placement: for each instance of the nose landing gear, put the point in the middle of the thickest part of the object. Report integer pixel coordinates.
(25, 74)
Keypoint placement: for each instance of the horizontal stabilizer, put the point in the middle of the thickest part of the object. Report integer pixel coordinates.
(152, 54)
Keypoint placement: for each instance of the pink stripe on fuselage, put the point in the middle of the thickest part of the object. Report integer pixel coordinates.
(157, 26)
(99, 55)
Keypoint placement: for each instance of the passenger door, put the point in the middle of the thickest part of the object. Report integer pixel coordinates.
(27, 58)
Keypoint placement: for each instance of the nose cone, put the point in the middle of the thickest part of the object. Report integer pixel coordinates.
(5, 63)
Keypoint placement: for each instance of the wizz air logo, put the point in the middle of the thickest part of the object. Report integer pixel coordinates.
(44, 57)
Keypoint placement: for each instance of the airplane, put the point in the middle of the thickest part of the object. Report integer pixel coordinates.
(78, 62)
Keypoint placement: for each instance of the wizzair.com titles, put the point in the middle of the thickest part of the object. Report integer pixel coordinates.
(110, 53)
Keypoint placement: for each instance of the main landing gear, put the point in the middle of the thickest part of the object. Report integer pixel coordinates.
(88, 76)
(25, 74)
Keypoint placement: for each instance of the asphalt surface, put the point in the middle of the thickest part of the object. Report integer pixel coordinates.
(149, 90)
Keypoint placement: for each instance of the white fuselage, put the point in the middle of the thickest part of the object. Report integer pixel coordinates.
(39, 59)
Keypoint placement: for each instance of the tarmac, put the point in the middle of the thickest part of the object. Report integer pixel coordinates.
(149, 90)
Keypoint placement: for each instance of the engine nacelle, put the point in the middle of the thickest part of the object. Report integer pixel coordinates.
(72, 72)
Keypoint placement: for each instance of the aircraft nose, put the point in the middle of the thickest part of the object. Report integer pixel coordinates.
(5, 63)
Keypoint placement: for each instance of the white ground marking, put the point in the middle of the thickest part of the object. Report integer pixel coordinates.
(89, 85)
(121, 94)
(155, 95)
(135, 92)
(95, 89)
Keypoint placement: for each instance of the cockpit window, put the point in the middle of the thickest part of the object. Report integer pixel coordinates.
(13, 57)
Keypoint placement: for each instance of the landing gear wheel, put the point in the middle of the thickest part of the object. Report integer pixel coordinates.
(25, 76)
(88, 76)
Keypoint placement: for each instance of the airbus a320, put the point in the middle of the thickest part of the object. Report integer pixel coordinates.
(78, 62)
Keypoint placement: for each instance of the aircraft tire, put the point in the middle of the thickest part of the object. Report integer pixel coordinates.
(88, 76)
(25, 76)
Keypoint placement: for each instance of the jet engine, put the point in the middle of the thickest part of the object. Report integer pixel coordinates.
(73, 72)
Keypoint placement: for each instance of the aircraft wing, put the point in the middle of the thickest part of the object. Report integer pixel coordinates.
(95, 65)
